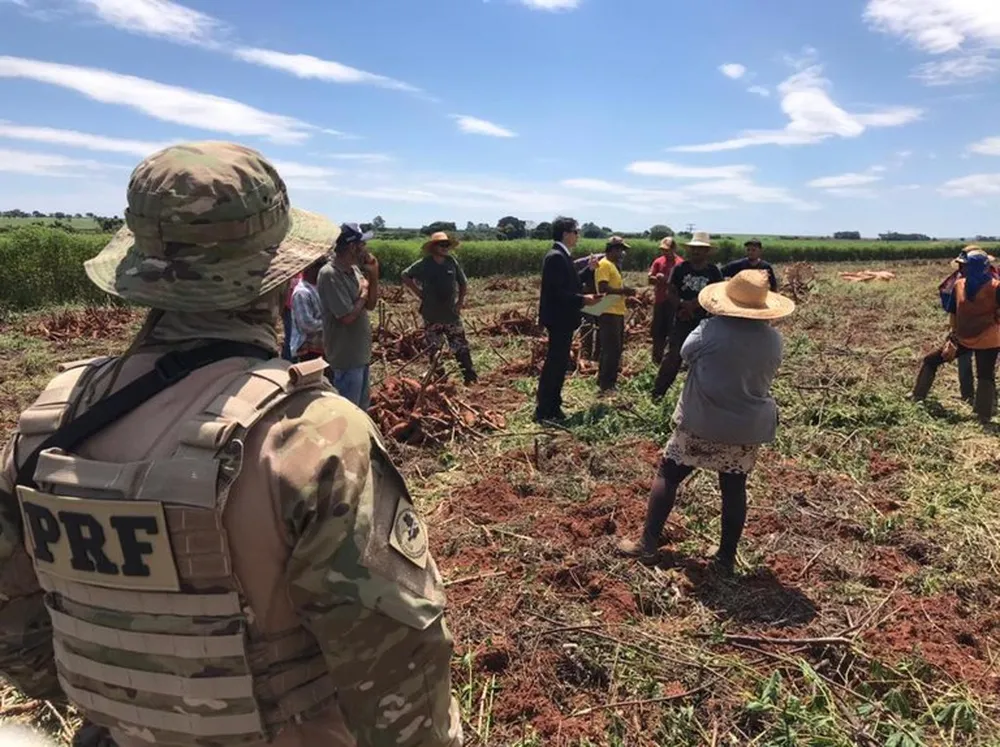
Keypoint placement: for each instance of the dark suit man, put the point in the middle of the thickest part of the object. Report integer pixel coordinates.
(559, 312)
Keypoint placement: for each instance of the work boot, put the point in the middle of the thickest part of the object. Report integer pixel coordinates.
(468, 370)
(985, 400)
(925, 380)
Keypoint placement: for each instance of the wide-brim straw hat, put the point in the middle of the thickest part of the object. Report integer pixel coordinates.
(439, 236)
(747, 295)
(700, 238)
(208, 227)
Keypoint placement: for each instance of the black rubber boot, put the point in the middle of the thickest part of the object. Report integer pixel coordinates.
(925, 380)
(985, 400)
(468, 370)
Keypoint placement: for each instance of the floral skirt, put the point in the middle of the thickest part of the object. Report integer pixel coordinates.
(688, 449)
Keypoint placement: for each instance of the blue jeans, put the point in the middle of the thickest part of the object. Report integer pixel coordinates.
(352, 384)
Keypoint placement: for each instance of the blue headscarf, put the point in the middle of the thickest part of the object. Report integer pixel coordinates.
(977, 273)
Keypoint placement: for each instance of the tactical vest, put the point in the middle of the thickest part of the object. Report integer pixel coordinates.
(151, 632)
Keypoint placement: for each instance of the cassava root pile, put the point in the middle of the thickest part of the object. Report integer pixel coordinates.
(428, 412)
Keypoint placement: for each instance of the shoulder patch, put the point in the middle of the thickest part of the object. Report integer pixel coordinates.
(408, 535)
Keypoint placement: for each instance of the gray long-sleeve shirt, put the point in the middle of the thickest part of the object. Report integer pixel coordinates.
(727, 396)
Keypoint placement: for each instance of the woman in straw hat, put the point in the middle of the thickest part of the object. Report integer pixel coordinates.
(974, 307)
(726, 410)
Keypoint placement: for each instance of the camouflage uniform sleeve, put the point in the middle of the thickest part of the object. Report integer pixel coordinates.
(26, 657)
(362, 579)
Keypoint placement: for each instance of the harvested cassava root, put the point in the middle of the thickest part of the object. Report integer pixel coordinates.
(428, 412)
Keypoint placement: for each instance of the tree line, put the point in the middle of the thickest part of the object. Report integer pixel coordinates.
(105, 224)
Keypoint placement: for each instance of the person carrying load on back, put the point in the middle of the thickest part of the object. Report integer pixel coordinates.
(224, 550)
(974, 310)
(439, 283)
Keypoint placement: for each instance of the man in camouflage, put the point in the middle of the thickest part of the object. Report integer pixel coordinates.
(233, 559)
(439, 283)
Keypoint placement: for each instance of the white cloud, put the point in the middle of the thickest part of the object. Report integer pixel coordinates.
(861, 192)
(972, 186)
(161, 101)
(551, 5)
(159, 18)
(745, 190)
(76, 139)
(937, 26)
(18, 3)
(906, 187)
(806, 57)
(813, 117)
(307, 66)
(677, 171)
(475, 126)
(904, 154)
(896, 116)
(45, 164)
(759, 90)
(169, 20)
(733, 70)
(722, 181)
(956, 70)
(643, 199)
(291, 171)
(849, 185)
(986, 147)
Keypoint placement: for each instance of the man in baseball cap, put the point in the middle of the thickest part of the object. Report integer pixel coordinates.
(348, 290)
(210, 531)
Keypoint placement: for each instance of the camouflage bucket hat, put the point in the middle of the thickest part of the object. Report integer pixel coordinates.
(208, 227)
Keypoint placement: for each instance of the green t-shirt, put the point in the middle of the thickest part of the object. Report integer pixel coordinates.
(439, 283)
(346, 346)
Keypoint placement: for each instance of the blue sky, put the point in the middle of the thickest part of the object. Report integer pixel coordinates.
(772, 116)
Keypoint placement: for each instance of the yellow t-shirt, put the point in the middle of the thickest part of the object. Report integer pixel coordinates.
(607, 272)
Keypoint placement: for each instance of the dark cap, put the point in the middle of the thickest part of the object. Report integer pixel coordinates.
(752, 242)
(616, 241)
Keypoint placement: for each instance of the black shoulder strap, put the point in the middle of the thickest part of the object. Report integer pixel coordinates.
(168, 370)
